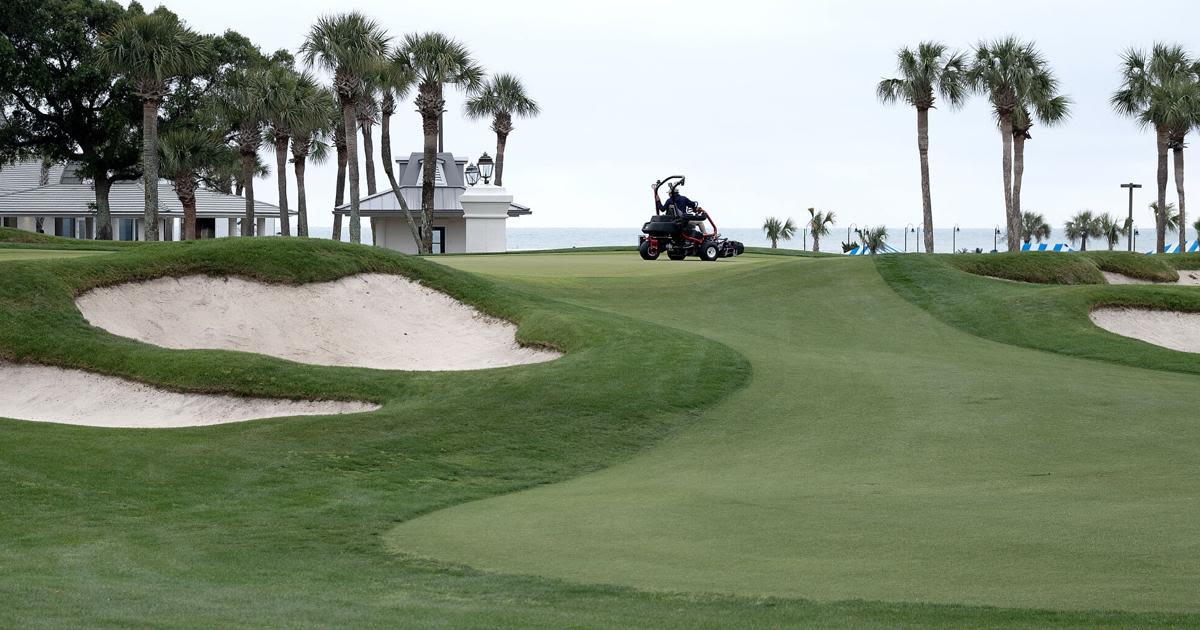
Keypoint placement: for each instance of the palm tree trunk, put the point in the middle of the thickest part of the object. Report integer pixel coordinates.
(352, 169)
(185, 189)
(501, 141)
(369, 157)
(1178, 150)
(150, 166)
(1083, 243)
(301, 199)
(104, 230)
(248, 180)
(385, 154)
(1006, 137)
(1160, 220)
(1018, 177)
(816, 242)
(281, 147)
(339, 194)
(430, 103)
(926, 197)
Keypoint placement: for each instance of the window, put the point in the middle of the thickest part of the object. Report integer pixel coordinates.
(8, 222)
(439, 240)
(206, 228)
(64, 226)
(126, 229)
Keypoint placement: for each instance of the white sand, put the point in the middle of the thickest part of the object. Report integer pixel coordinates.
(369, 320)
(1186, 277)
(49, 394)
(1169, 329)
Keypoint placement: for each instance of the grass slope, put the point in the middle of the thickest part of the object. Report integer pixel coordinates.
(1065, 268)
(877, 454)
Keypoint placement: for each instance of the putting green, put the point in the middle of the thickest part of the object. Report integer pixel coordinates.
(876, 454)
(43, 254)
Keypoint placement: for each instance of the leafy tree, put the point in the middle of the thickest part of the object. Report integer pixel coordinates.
(1112, 230)
(350, 46)
(240, 103)
(395, 81)
(294, 102)
(1158, 90)
(186, 154)
(310, 141)
(1082, 226)
(151, 50)
(777, 230)
(819, 224)
(500, 98)
(59, 102)
(1034, 226)
(434, 61)
(930, 70)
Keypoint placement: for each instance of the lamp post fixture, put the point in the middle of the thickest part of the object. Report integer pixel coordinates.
(472, 174)
(1131, 186)
(954, 239)
(486, 165)
(907, 229)
(1133, 234)
(996, 240)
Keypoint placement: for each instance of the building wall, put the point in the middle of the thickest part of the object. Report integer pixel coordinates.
(394, 233)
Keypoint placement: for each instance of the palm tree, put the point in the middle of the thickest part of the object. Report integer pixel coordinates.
(1041, 103)
(310, 141)
(1169, 219)
(1005, 70)
(1034, 226)
(434, 60)
(291, 105)
(818, 225)
(343, 158)
(1155, 92)
(350, 46)
(187, 154)
(1081, 227)
(151, 50)
(366, 111)
(873, 238)
(777, 230)
(240, 102)
(1196, 227)
(500, 98)
(1112, 230)
(395, 82)
(930, 68)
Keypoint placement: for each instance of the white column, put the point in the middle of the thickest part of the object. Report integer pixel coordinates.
(233, 227)
(261, 228)
(485, 213)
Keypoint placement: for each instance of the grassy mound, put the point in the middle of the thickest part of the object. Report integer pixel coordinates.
(1037, 267)
(1181, 261)
(19, 239)
(1134, 265)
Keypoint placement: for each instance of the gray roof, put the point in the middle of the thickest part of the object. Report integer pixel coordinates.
(450, 186)
(67, 195)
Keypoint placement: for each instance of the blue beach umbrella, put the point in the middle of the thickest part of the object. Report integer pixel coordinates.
(864, 251)
(1046, 247)
(1192, 247)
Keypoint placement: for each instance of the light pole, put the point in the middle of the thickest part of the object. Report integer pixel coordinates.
(1131, 186)
(954, 239)
(908, 228)
(472, 174)
(853, 226)
(804, 238)
(1133, 234)
(996, 240)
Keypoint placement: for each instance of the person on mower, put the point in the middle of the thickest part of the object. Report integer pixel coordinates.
(683, 205)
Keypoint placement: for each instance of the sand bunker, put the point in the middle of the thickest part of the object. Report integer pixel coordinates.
(369, 320)
(1169, 329)
(48, 394)
(1186, 277)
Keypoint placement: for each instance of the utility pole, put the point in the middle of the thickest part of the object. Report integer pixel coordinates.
(1129, 225)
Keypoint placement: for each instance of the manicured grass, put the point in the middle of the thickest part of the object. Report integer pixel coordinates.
(41, 254)
(1134, 265)
(877, 454)
(775, 425)
(1039, 267)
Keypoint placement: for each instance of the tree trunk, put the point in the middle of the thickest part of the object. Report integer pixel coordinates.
(1178, 150)
(150, 166)
(1018, 177)
(104, 231)
(339, 195)
(281, 147)
(1083, 243)
(369, 157)
(774, 243)
(301, 199)
(1159, 219)
(501, 141)
(248, 182)
(185, 189)
(351, 123)
(816, 242)
(385, 153)
(1006, 136)
(430, 104)
(926, 197)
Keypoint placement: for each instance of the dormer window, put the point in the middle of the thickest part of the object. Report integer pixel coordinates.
(439, 178)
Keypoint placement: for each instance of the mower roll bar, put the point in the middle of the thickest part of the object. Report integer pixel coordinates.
(659, 184)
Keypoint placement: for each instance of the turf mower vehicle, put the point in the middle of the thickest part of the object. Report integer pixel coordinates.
(677, 228)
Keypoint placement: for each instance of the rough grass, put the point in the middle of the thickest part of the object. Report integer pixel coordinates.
(1037, 267)
(1134, 265)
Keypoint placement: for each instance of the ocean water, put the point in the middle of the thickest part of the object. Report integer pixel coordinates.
(944, 240)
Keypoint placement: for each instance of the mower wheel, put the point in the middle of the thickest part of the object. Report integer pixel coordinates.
(710, 251)
(644, 250)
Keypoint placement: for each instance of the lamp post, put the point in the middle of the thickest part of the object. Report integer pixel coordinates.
(954, 239)
(472, 174)
(1133, 234)
(1131, 186)
(908, 228)
(804, 238)
(853, 226)
(486, 165)
(996, 240)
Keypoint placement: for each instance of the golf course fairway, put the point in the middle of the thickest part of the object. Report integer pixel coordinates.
(877, 454)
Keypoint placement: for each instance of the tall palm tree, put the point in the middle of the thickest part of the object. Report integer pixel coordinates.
(1166, 216)
(434, 61)
(187, 154)
(1196, 227)
(310, 141)
(1081, 227)
(1042, 103)
(500, 98)
(1004, 71)
(395, 82)
(818, 225)
(240, 102)
(151, 50)
(343, 159)
(777, 230)
(366, 112)
(292, 104)
(1112, 230)
(931, 68)
(1154, 92)
(873, 238)
(1034, 226)
(350, 46)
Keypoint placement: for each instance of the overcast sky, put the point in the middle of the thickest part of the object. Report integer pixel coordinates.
(767, 107)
